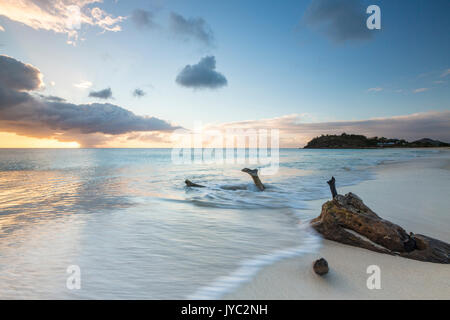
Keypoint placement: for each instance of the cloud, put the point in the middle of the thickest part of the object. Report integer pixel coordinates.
(295, 133)
(83, 85)
(60, 16)
(105, 21)
(101, 94)
(51, 98)
(2, 29)
(143, 18)
(151, 137)
(377, 89)
(35, 116)
(420, 90)
(139, 93)
(18, 76)
(192, 28)
(445, 73)
(339, 20)
(201, 75)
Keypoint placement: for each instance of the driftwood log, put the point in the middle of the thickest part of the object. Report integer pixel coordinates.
(191, 184)
(254, 174)
(348, 220)
(332, 184)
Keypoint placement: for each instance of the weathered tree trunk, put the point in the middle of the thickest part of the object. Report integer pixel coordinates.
(348, 220)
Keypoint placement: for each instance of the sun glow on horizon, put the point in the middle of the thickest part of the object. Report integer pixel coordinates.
(12, 140)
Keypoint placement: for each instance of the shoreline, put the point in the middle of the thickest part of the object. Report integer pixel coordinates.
(413, 194)
(373, 148)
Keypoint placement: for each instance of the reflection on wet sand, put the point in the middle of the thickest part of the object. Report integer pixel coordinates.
(37, 196)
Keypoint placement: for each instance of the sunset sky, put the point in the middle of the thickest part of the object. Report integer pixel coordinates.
(128, 73)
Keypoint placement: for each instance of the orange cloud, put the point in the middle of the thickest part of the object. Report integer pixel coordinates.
(294, 132)
(26, 113)
(61, 16)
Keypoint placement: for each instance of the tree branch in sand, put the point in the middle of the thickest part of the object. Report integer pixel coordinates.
(191, 184)
(254, 174)
(332, 184)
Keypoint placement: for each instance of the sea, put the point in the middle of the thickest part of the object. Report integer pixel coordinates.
(121, 224)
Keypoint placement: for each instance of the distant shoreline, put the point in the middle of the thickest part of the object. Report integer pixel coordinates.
(356, 141)
(358, 148)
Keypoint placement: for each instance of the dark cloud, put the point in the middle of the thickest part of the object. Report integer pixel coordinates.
(17, 75)
(143, 18)
(102, 94)
(12, 97)
(43, 116)
(202, 75)
(192, 28)
(51, 98)
(340, 20)
(139, 93)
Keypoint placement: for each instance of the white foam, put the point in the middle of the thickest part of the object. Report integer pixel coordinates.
(249, 268)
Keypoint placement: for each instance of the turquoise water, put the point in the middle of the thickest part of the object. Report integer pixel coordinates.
(126, 219)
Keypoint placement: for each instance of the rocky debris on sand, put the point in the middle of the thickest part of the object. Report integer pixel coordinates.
(320, 266)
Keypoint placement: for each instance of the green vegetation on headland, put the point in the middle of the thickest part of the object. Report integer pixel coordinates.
(355, 141)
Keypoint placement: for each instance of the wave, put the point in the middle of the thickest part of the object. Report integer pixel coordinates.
(249, 268)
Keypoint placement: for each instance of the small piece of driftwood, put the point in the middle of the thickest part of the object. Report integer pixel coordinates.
(332, 184)
(193, 185)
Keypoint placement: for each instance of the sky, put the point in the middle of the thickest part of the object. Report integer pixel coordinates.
(120, 73)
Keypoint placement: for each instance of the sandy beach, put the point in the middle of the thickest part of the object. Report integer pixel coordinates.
(415, 195)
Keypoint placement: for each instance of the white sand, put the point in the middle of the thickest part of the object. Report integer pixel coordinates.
(416, 196)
